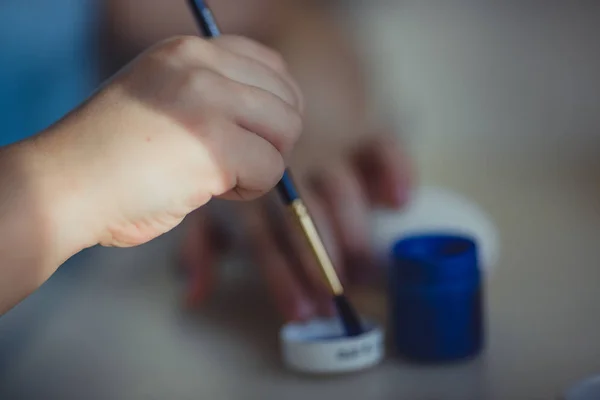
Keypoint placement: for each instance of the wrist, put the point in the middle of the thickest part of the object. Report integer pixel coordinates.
(37, 231)
(59, 198)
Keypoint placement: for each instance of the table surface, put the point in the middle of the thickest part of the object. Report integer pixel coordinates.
(110, 325)
(509, 118)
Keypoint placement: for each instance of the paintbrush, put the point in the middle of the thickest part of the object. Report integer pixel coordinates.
(289, 195)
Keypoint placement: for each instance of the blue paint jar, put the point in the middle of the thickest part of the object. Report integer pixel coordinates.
(436, 298)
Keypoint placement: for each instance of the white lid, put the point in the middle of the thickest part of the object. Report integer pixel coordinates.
(435, 209)
(319, 346)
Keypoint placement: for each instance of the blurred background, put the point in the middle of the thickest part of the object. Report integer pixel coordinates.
(498, 102)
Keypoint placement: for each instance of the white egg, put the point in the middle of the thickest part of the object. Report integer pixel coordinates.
(437, 210)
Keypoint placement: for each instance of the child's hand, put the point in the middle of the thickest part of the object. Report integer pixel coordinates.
(187, 120)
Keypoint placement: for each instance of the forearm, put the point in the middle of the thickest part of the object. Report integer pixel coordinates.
(38, 226)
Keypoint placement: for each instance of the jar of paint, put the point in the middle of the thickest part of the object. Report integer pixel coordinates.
(436, 298)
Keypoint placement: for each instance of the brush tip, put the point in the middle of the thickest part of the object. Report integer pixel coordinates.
(348, 316)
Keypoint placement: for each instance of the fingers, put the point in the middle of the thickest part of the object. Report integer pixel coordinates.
(259, 97)
(256, 53)
(261, 112)
(385, 172)
(244, 61)
(249, 149)
(245, 113)
(257, 165)
(235, 58)
(346, 205)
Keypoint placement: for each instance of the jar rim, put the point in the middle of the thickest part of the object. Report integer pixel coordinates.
(435, 256)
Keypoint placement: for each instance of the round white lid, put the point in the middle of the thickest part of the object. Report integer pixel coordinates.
(436, 209)
(319, 346)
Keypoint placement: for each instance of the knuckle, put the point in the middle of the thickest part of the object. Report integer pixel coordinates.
(180, 45)
(276, 87)
(276, 60)
(269, 170)
(205, 125)
(290, 97)
(287, 123)
(185, 47)
(236, 40)
(273, 59)
(269, 56)
(224, 173)
(199, 78)
(275, 167)
(203, 80)
(224, 182)
(295, 126)
(247, 97)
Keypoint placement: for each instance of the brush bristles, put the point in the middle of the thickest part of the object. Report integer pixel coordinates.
(348, 316)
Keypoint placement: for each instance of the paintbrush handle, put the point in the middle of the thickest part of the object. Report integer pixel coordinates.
(208, 26)
(286, 187)
(204, 18)
(316, 245)
(289, 194)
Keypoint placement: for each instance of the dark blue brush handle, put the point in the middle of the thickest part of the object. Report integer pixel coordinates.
(285, 186)
(204, 18)
(208, 26)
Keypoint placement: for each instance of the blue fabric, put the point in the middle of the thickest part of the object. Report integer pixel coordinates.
(47, 62)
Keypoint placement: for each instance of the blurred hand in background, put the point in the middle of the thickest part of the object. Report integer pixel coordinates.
(346, 163)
